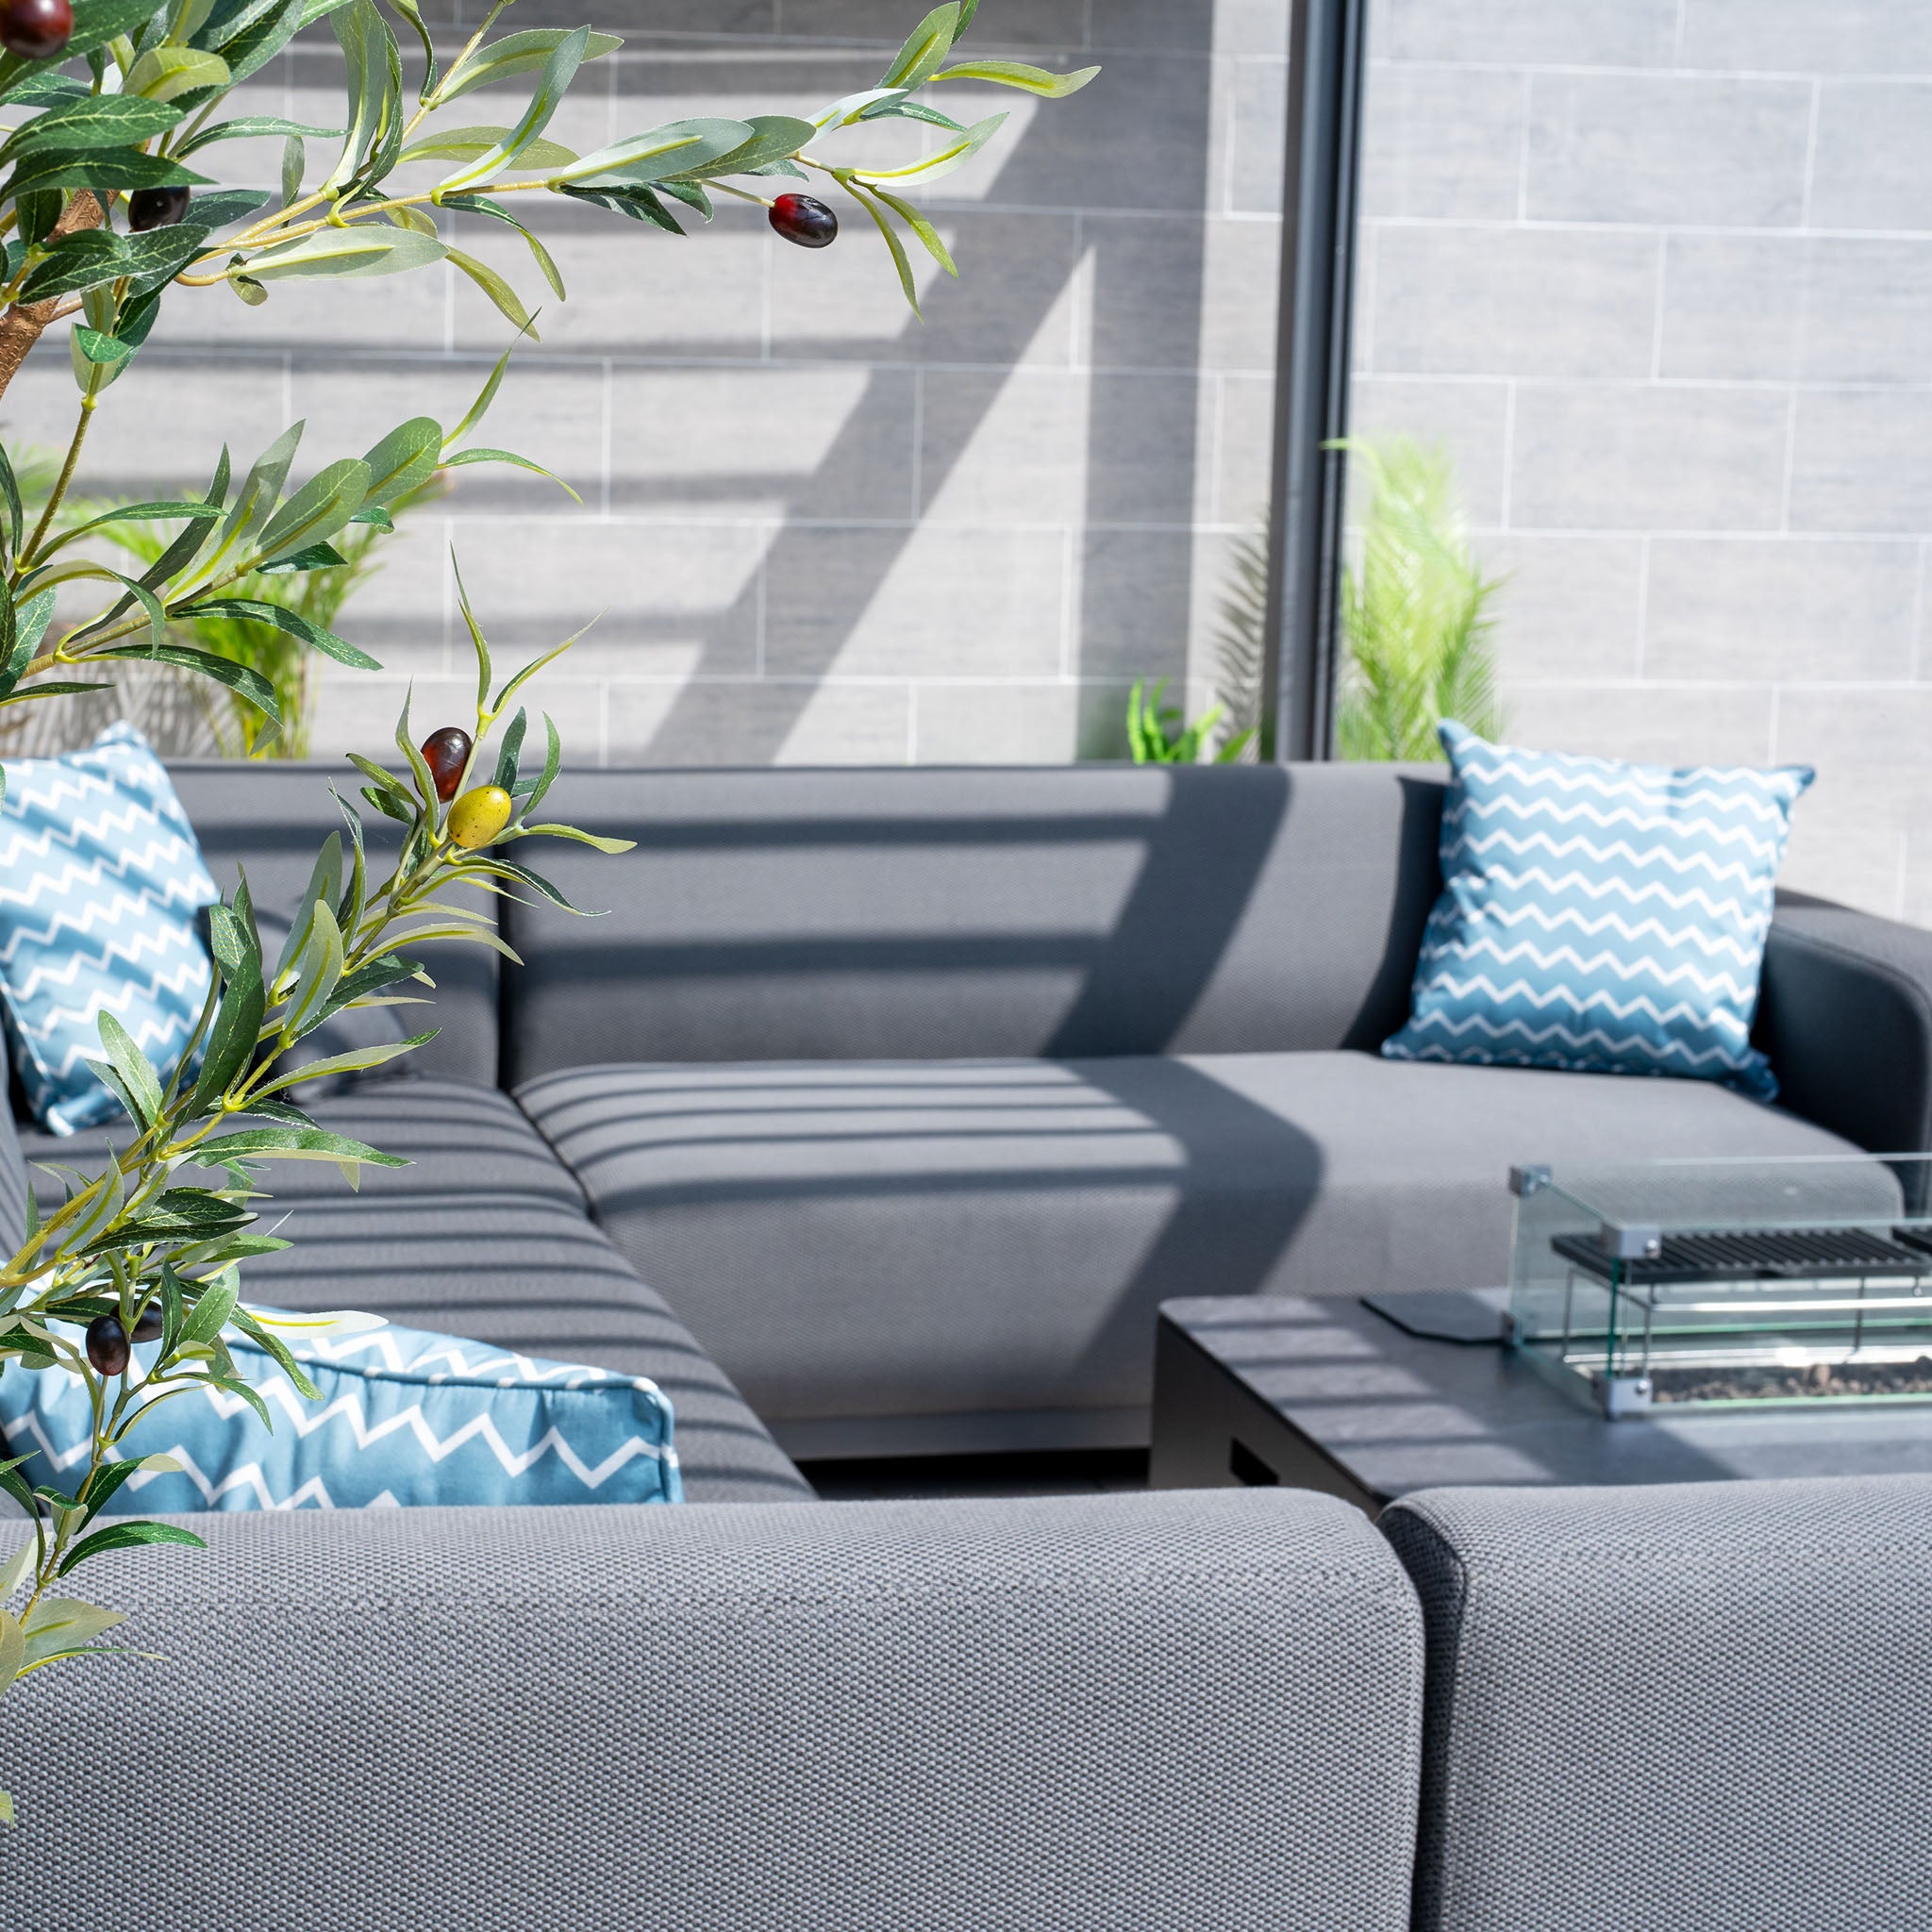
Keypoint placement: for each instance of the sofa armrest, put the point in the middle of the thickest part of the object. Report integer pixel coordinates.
(1197, 1713)
(1845, 1015)
(1698, 1705)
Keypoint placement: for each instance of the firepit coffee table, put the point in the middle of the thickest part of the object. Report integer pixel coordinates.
(1668, 1322)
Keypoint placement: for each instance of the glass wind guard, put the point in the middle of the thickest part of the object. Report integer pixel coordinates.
(1658, 1285)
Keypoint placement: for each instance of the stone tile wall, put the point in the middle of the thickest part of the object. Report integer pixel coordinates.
(816, 530)
(1659, 273)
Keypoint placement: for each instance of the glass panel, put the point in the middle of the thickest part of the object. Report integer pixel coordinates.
(1656, 276)
(1654, 1285)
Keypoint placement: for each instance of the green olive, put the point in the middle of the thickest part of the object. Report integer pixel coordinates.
(477, 816)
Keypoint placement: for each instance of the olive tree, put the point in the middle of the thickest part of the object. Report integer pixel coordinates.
(103, 218)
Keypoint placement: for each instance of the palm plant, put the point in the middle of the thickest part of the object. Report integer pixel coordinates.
(1240, 653)
(1414, 611)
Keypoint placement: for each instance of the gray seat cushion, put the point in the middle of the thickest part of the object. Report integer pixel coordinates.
(457, 1138)
(935, 1254)
(486, 1237)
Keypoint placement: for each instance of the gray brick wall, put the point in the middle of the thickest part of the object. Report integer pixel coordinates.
(1659, 273)
(818, 530)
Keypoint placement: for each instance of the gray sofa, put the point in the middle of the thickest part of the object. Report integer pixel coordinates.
(910, 1094)
(1541, 1710)
(885, 1107)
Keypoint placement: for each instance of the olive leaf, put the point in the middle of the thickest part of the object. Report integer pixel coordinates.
(676, 148)
(513, 55)
(126, 1536)
(559, 69)
(340, 253)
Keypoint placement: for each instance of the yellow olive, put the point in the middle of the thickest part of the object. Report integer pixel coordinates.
(477, 816)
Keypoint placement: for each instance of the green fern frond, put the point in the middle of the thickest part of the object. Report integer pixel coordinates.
(1415, 616)
(1240, 645)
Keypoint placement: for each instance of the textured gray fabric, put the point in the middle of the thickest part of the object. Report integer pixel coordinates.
(536, 1277)
(1845, 1015)
(1688, 1705)
(272, 819)
(485, 1236)
(927, 913)
(995, 1237)
(459, 1138)
(1142, 1714)
(530, 1274)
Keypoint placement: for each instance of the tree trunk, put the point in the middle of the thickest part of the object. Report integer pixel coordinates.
(22, 325)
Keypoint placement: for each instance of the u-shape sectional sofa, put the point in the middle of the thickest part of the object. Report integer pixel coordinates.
(877, 1117)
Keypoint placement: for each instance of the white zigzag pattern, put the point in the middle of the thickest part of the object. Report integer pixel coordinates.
(1641, 967)
(1676, 937)
(249, 1477)
(77, 886)
(348, 1409)
(164, 847)
(1574, 997)
(523, 1371)
(127, 950)
(98, 873)
(1620, 848)
(62, 1459)
(1658, 824)
(1537, 876)
(148, 1029)
(47, 783)
(63, 811)
(163, 852)
(1762, 795)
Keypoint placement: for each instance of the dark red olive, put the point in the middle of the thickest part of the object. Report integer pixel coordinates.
(149, 1323)
(446, 752)
(806, 220)
(156, 207)
(35, 29)
(106, 1344)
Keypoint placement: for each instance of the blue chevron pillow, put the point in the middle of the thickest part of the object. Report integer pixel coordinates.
(405, 1417)
(100, 881)
(1600, 917)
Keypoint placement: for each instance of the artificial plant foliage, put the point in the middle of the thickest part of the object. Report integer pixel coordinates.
(104, 215)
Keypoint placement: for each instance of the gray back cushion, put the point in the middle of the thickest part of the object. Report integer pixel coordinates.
(1082, 1714)
(272, 819)
(1700, 1705)
(1091, 910)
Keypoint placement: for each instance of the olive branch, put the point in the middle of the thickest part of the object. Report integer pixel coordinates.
(132, 1283)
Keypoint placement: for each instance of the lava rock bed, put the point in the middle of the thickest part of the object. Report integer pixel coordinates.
(1770, 1384)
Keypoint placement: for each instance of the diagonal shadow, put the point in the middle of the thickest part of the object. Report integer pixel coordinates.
(1127, 581)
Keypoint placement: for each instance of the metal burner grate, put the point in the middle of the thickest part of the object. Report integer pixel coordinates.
(1782, 1254)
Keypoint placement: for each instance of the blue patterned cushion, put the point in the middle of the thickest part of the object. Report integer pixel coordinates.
(100, 881)
(1600, 917)
(404, 1417)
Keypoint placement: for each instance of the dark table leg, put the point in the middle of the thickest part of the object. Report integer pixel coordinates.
(1211, 1432)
